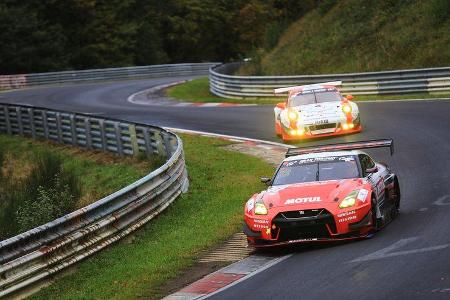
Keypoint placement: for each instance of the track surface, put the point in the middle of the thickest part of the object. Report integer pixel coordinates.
(410, 259)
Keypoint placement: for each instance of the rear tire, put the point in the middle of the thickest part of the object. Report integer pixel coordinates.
(397, 194)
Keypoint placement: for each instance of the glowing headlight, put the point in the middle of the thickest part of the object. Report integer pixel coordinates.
(260, 209)
(300, 131)
(293, 115)
(350, 200)
(347, 108)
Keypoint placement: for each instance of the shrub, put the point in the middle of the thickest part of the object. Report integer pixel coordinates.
(48, 192)
(51, 202)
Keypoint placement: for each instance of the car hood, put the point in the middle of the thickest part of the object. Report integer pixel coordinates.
(312, 109)
(304, 194)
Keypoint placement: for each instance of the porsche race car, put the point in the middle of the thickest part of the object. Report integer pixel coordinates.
(324, 193)
(315, 110)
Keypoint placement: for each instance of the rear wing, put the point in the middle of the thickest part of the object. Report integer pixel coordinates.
(343, 146)
(306, 87)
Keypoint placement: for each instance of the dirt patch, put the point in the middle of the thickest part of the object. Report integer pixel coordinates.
(268, 154)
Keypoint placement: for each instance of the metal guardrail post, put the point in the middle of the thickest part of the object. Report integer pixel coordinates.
(133, 139)
(58, 127)
(45, 124)
(73, 129)
(7, 121)
(148, 145)
(87, 132)
(103, 135)
(167, 145)
(32, 125)
(19, 120)
(118, 139)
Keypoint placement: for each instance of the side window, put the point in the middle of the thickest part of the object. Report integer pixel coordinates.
(366, 163)
(370, 162)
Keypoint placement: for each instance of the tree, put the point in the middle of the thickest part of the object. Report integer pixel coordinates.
(28, 43)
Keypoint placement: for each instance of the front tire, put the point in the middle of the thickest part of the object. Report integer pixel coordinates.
(277, 129)
(375, 221)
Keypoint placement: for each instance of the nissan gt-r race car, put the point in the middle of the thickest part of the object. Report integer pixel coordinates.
(324, 193)
(315, 110)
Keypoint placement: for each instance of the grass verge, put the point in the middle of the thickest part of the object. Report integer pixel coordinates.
(98, 174)
(197, 90)
(220, 182)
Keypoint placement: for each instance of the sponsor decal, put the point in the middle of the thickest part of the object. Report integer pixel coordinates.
(315, 90)
(302, 200)
(362, 195)
(259, 226)
(346, 158)
(318, 122)
(303, 240)
(261, 221)
(250, 204)
(347, 219)
(291, 163)
(347, 213)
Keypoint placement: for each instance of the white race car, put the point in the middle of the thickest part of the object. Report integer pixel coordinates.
(315, 110)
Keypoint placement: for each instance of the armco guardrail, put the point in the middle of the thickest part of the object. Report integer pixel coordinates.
(44, 250)
(170, 70)
(434, 80)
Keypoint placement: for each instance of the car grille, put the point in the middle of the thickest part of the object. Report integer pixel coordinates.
(322, 126)
(296, 214)
(303, 224)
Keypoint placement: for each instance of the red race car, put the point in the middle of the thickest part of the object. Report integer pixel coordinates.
(324, 193)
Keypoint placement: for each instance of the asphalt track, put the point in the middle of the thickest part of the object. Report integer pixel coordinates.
(410, 259)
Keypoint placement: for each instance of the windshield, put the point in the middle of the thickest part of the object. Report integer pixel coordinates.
(314, 96)
(316, 169)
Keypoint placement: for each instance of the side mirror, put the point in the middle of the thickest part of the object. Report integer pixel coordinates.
(372, 170)
(281, 105)
(349, 97)
(266, 180)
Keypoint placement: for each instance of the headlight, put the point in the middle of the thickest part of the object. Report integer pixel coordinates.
(293, 115)
(347, 108)
(350, 200)
(260, 209)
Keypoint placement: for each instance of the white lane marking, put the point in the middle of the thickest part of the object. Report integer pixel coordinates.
(444, 290)
(265, 267)
(154, 89)
(441, 201)
(386, 252)
(93, 113)
(238, 138)
(423, 209)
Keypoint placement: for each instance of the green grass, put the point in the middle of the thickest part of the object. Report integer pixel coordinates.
(100, 173)
(220, 183)
(197, 90)
(360, 36)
